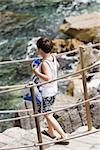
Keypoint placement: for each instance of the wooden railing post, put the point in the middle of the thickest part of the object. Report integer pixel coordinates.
(87, 104)
(36, 118)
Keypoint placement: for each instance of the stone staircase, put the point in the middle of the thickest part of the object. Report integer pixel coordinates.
(18, 137)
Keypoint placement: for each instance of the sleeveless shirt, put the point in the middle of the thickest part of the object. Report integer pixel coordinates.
(50, 89)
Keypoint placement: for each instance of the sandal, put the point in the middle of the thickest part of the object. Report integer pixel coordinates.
(65, 142)
(47, 134)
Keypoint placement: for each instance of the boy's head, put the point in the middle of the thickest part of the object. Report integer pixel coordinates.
(45, 44)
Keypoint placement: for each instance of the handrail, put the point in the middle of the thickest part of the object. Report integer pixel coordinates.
(53, 141)
(31, 59)
(40, 144)
(69, 138)
(17, 147)
(16, 61)
(11, 90)
(12, 86)
(39, 114)
(57, 79)
(24, 85)
(92, 100)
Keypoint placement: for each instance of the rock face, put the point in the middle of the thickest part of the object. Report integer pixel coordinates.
(84, 27)
(71, 118)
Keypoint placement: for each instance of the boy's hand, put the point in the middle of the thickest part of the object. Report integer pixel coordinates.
(35, 70)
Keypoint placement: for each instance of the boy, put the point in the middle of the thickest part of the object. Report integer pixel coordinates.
(46, 72)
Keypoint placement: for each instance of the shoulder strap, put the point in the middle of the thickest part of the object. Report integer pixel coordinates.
(48, 65)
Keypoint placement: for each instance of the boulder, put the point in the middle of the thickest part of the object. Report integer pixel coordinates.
(91, 56)
(84, 27)
(75, 88)
(61, 45)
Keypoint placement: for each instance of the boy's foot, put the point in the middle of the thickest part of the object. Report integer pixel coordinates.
(47, 134)
(65, 142)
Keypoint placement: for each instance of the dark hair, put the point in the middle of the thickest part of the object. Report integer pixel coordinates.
(45, 44)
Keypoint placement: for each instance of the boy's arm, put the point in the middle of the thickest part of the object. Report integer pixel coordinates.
(46, 73)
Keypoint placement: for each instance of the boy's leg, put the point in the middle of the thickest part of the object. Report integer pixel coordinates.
(55, 125)
(51, 130)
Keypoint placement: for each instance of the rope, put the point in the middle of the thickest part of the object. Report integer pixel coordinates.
(16, 61)
(79, 77)
(61, 109)
(71, 74)
(57, 79)
(15, 111)
(69, 138)
(30, 60)
(24, 85)
(54, 141)
(46, 143)
(14, 89)
(12, 86)
(17, 118)
(27, 110)
(90, 45)
(17, 147)
(66, 53)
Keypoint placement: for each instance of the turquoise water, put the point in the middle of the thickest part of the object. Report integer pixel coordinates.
(35, 18)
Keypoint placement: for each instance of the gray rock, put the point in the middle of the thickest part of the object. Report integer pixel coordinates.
(76, 26)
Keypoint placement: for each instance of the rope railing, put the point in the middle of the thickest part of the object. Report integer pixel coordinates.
(53, 141)
(14, 89)
(18, 147)
(16, 61)
(31, 59)
(29, 110)
(25, 85)
(36, 115)
(90, 45)
(69, 138)
(58, 55)
(12, 86)
(92, 100)
(57, 79)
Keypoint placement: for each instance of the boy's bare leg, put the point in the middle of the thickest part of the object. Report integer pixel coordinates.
(51, 130)
(55, 125)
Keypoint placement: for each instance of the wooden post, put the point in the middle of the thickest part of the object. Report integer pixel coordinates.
(87, 104)
(36, 118)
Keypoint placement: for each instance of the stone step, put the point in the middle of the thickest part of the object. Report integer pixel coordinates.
(16, 136)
